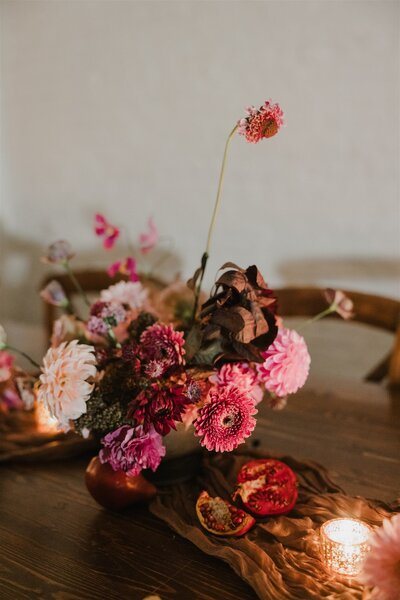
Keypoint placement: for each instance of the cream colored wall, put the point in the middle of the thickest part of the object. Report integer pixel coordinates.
(123, 107)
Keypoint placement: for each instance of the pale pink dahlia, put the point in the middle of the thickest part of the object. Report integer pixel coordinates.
(262, 123)
(64, 388)
(226, 420)
(286, 363)
(241, 375)
(381, 567)
(131, 450)
(131, 293)
(162, 348)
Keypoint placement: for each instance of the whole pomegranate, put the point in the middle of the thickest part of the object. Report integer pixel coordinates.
(266, 487)
(221, 518)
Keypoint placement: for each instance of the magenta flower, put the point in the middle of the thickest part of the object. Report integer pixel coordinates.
(160, 408)
(242, 376)
(54, 294)
(125, 267)
(226, 420)
(6, 365)
(262, 123)
(381, 567)
(131, 450)
(104, 315)
(149, 239)
(162, 347)
(340, 303)
(104, 229)
(59, 252)
(286, 363)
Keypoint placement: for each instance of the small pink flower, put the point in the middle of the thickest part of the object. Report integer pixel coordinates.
(105, 315)
(226, 420)
(59, 252)
(131, 293)
(125, 267)
(339, 303)
(131, 450)
(54, 294)
(262, 123)
(6, 365)
(149, 239)
(286, 363)
(381, 567)
(104, 229)
(242, 376)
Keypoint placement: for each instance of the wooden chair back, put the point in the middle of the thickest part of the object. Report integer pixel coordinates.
(369, 309)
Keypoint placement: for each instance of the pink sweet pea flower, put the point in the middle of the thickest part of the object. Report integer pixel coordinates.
(6, 365)
(104, 229)
(149, 239)
(125, 267)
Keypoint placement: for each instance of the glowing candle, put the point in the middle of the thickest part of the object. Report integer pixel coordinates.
(344, 545)
(45, 423)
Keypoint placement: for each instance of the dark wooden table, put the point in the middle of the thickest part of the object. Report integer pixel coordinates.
(55, 542)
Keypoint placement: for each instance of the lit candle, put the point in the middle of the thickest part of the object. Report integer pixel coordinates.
(45, 423)
(344, 545)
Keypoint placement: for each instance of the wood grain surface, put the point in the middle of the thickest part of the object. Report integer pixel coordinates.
(56, 543)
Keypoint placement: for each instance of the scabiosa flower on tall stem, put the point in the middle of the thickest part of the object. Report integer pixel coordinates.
(286, 363)
(54, 294)
(131, 450)
(226, 420)
(261, 123)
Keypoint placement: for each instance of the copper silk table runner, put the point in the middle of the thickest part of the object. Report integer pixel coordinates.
(279, 557)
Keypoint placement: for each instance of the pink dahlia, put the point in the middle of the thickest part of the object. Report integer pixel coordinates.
(162, 408)
(381, 567)
(64, 387)
(162, 348)
(226, 420)
(125, 267)
(149, 239)
(286, 363)
(131, 450)
(262, 123)
(241, 375)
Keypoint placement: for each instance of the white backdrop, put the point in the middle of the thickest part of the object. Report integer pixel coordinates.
(124, 106)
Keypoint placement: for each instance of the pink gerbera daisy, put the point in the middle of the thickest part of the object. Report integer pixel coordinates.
(286, 363)
(381, 568)
(262, 123)
(104, 229)
(226, 420)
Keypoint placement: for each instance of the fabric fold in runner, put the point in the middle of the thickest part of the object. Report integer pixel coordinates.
(279, 558)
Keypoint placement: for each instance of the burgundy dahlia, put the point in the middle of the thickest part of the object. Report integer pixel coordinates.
(160, 408)
(162, 348)
(226, 419)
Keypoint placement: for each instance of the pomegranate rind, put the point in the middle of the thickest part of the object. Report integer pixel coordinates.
(266, 487)
(240, 529)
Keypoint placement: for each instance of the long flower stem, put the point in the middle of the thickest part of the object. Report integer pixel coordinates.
(76, 283)
(33, 362)
(321, 315)
(206, 253)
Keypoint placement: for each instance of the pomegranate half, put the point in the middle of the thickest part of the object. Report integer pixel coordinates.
(266, 487)
(221, 518)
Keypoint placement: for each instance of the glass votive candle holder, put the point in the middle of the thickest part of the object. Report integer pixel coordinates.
(344, 545)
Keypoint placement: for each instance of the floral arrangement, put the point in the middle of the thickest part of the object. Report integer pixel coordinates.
(148, 357)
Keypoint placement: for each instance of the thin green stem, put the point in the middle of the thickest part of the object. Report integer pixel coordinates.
(206, 253)
(319, 316)
(33, 362)
(76, 283)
